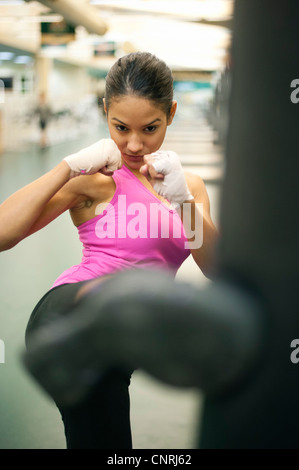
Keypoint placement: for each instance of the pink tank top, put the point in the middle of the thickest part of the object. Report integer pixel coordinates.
(136, 230)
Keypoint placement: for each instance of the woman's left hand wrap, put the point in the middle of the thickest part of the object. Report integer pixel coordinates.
(173, 186)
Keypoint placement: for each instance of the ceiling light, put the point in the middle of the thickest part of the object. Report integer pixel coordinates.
(187, 9)
(6, 55)
(11, 2)
(7, 19)
(23, 59)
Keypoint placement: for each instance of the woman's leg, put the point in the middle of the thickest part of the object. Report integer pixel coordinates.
(102, 419)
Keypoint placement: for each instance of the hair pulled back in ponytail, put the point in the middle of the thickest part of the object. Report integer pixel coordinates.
(140, 74)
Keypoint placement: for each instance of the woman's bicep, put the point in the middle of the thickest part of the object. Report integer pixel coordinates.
(62, 201)
(199, 192)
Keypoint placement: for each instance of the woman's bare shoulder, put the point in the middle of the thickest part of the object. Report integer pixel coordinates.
(194, 182)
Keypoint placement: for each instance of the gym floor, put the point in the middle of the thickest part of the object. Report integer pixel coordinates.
(162, 417)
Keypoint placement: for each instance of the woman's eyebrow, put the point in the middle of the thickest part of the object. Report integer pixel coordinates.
(126, 125)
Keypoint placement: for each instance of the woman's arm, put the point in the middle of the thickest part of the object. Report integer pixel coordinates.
(37, 204)
(19, 212)
(200, 229)
(185, 192)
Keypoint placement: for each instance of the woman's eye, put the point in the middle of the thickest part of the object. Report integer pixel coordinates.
(151, 128)
(121, 128)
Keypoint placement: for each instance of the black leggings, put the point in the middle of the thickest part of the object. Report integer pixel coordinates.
(102, 419)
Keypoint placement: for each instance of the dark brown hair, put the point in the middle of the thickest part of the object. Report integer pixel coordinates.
(141, 74)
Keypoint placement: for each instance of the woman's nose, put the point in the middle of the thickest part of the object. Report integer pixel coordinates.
(135, 144)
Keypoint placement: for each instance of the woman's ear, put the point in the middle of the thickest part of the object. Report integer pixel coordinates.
(172, 112)
(105, 107)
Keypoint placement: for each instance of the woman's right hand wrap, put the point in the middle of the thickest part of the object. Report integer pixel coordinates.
(103, 155)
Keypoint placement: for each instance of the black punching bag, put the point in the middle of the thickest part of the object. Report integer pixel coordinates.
(260, 242)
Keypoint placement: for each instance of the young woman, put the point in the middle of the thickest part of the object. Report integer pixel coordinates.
(134, 208)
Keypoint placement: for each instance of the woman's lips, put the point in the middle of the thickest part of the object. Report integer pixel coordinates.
(134, 158)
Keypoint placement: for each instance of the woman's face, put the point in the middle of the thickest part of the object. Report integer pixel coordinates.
(138, 127)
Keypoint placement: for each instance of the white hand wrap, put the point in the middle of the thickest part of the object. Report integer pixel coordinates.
(90, 160)
(174, 186)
